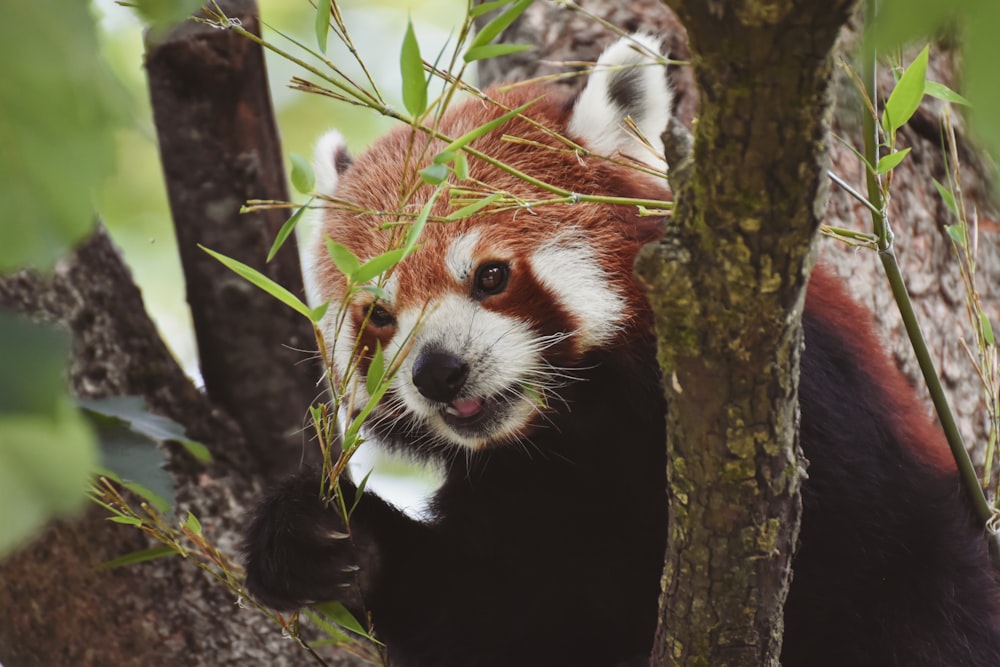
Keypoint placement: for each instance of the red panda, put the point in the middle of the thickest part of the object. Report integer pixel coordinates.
(530, 376)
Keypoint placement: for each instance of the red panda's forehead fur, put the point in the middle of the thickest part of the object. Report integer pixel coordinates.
(384, 179)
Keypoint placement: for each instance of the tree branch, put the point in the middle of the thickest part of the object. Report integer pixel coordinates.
(727, 286)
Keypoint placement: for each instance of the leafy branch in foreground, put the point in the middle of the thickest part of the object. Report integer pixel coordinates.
(879, 135)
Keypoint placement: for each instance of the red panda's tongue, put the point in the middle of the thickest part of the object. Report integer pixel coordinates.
(466, 407)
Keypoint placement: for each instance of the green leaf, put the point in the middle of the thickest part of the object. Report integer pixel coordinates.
(257, 278)
(127, 520)
(891, 161)
(165, 13)
(31, 378)
(379, 264)
(947, 197)
(493, 29)
(474, 207)
(461, 167)
(444, 157)
(475, 133)
(376, 369)
(133, 411)
(337, 612)
(411, 66)
(286, 230)
(943, 92)
(45, 464)
(345, 260)
(905, 97)
(322, 23)
(302, 177)
(61, 109)
(486, 8)
(957, 234)
(417, 228)
(494, 51)
(434, 173)
(319, 311)
(192, 523)
(362, 485)
(987, 327)
(138, 557)
(328, 628)
(133, 456)
(158, 502)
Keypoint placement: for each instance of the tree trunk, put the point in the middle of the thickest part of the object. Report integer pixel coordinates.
(727, 286)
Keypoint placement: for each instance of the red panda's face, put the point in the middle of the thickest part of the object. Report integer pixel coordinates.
(494, 314)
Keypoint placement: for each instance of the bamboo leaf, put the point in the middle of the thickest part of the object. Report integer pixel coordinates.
(943, 92)
(434, 173)
(494, 51)
(957, 234)
(286, 230)
(192, 523)
(486, 7)
(492, 29)
(444, 157)
(376, 369)
(345, 260)
(336, 636)
(154, 499)
(906, 96)
(337, 612)
(322, 23)
(474, 207)
(987, 327)
(127, 520)
(379, 264)
(257, 278)
(302, 176)
(138, 557)
(475, 133)
(891, 161)
(196, 449)
(417, 228)
(946, 196)
(411, 66)
(461, 166)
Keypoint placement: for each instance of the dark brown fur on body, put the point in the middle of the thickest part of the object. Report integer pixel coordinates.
(545, 543)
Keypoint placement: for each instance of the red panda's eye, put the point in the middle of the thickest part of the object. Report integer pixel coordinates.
(491, 278)
(379, 316)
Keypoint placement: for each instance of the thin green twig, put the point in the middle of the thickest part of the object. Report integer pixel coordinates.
(882, 229)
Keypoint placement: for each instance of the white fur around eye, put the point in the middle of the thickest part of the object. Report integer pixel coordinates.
(460, 257)
(568, 268)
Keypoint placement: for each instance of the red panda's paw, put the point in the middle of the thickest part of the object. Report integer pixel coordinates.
(298, 550)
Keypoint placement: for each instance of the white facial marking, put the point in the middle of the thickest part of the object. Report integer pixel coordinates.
(568, 268)
(502, 353)
(460, 258)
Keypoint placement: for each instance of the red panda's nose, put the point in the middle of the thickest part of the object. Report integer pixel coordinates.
(439, 376)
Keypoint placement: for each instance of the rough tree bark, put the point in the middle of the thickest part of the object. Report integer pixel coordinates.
(727, 285)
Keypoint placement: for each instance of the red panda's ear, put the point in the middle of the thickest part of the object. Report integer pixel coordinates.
(625, 83)
(330, 160)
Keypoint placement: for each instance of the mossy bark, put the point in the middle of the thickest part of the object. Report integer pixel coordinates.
(727, 285)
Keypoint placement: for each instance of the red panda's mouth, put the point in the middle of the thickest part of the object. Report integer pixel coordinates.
(465, 408)
(471, 416)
